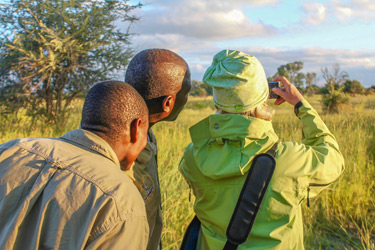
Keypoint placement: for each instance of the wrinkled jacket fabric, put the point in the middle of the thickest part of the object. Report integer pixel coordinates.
(145, 173)
(68, 193)
(217, 161)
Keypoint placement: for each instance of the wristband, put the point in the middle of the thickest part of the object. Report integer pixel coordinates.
(297, 106)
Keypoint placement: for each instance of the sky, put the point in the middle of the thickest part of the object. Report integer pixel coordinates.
(320, 33)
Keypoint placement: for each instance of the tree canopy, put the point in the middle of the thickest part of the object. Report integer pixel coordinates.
(55, 50)
(354, 87)
(292, 72)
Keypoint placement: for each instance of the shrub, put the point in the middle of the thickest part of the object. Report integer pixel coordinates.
(334, 99)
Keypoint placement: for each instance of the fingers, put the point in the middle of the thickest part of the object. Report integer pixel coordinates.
(288, 92)
(279, 101)
(281, 92)
(283, 80)
(278, 91)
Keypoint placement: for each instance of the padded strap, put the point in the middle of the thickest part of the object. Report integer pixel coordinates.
(191, 235)
(250, 198)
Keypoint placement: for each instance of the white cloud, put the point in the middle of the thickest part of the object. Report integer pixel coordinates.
(175, 42)
(211, 20)
(344, 13)
(364, 4)
(360, 65)
(316, 13)
(213, 3)
(197, 68)
(251, 2)
(197, 30)
(360, 9)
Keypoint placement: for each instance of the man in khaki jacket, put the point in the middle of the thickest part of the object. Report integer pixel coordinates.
(70, 192)
(163, 79)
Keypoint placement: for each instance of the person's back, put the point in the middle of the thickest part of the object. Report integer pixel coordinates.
(70, 192)
(55, 188)
(223, 146)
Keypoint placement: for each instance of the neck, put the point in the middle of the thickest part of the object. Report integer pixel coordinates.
(155, 118)
(116, 146)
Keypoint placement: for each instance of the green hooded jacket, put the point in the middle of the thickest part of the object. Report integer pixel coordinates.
(217, 161)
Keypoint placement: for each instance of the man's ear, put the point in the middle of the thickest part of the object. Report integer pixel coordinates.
(134, 128)
(168, 104)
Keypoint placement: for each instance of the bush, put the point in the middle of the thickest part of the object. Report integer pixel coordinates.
(354, 87)
(334, 100)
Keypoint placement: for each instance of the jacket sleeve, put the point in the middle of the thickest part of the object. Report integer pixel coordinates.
(130, 234)
(318, 159)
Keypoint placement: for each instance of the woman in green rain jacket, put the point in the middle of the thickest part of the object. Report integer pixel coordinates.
(223, 146)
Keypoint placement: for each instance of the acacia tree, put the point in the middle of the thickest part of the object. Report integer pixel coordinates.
(292, 72)
(52, 51)
(334, 76)
(335, 98)
(310, 80)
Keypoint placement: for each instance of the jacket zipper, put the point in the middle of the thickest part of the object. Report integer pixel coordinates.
(314, 185)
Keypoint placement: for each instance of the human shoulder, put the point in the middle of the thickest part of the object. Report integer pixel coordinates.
(30, 145)
(288, 151)
(98, 171)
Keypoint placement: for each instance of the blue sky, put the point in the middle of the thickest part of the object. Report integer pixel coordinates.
(319, 33)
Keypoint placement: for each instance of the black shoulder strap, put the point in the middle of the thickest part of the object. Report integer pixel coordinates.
(250, 198)
(248, 204)
(272, 151)
(191, 235)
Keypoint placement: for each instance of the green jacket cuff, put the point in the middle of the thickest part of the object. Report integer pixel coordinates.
(303, 104)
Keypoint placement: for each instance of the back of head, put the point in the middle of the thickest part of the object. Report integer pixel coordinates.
(157, 72)
(238, 80)
(110, 107)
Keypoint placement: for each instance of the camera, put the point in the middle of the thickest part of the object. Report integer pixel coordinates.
(272, 85)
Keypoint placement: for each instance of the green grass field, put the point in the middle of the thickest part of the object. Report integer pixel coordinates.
(342, 217)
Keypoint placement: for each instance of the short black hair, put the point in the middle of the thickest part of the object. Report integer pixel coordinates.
(156, 72)
(110, 107)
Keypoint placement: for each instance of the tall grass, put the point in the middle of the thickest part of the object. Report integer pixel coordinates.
(342, 217)
(18, 125)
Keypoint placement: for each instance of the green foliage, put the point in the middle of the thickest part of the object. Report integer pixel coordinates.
(310, 79)
(53, 51)
(354, 87)
(333, 92)
(370, 91)
(312, 90)
(291, 72)
(200, 89)
(334, 99)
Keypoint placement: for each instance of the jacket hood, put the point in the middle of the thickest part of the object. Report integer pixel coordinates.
(224, 145)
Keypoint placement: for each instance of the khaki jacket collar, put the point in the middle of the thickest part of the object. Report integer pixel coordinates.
(86, 139)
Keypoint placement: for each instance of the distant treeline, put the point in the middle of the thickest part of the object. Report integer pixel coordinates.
(306, 82)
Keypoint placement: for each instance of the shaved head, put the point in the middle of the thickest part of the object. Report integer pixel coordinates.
(157, 72)
(110, 107)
